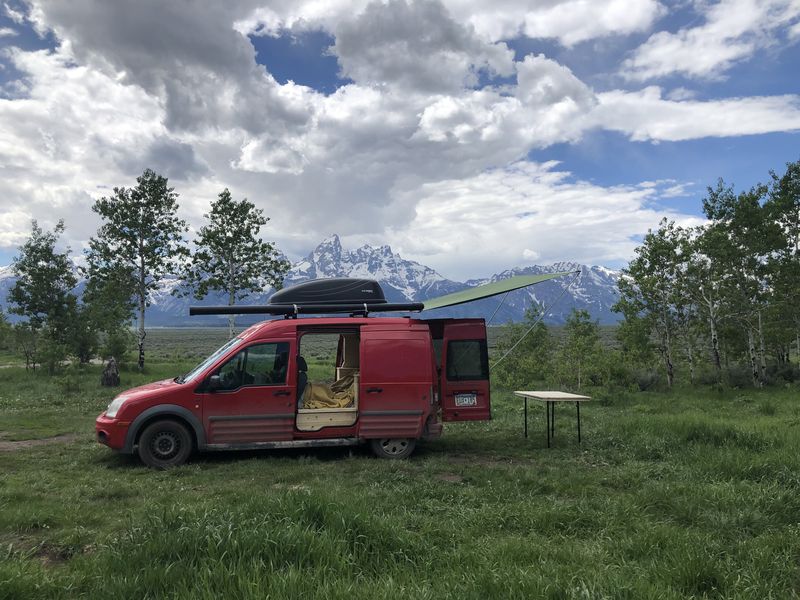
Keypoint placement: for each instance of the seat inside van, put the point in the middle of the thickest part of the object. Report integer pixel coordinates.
(336, 403)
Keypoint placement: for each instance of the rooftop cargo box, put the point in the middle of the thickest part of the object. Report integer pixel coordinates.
(331, 291)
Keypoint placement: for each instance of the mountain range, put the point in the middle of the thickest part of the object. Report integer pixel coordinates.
(593, 288)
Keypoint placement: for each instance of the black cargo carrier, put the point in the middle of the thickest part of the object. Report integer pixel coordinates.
(331, 291)
(320, 296)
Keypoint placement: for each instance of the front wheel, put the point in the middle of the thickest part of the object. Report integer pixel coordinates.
(393, 448)
(165, 444)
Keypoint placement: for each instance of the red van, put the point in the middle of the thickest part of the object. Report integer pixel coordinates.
(306, 382)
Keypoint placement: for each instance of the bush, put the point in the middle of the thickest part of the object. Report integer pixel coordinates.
(647, 379)
(70, 380)
(52, 354)
(739, 376)
(783, 373)
(118, 344)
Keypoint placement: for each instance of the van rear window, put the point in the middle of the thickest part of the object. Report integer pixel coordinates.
(467, 360)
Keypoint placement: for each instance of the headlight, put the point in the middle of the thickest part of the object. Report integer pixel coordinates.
(116, 404)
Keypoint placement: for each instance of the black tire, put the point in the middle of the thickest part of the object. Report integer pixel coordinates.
(165, 444)
(393, 448)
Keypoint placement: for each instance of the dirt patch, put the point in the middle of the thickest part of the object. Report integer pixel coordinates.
(450, 477)
(9, 446)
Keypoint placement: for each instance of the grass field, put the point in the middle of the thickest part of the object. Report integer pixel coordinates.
(689, 494)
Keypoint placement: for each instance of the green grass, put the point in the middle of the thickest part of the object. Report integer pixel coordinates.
(689, 494)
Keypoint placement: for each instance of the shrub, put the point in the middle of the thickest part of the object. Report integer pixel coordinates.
(647, 379)
(118, 344)
(70, 380)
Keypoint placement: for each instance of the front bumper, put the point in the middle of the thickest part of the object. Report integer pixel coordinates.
(111, 432)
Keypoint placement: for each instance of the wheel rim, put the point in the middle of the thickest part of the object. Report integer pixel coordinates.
(393, 446)
(165, 445)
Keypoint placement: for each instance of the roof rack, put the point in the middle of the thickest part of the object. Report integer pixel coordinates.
(292, 310)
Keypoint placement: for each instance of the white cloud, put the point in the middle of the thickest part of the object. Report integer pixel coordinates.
(646, 116)
(415, 46)
(7, 32)
(568, 21)
(525, 212)
(393, 156)
(733, 31)
(14, 14)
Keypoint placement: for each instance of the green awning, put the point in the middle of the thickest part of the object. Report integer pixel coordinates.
(489, 289)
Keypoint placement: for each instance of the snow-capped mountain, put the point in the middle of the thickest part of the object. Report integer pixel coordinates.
(592, 288)
(401, 280)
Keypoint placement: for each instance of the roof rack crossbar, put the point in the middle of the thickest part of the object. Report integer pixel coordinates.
(308, 309)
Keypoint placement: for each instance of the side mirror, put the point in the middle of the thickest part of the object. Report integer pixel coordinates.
(214, 383)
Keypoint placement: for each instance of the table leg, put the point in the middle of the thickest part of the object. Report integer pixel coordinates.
(578, 408)
(526, 417)
(553, 420)
(547, 428)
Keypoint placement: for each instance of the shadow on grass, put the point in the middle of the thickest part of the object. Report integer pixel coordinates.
(212, 460)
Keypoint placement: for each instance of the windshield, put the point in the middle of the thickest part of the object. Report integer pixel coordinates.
(209, 361)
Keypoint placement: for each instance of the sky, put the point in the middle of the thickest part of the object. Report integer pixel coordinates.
(470, 136)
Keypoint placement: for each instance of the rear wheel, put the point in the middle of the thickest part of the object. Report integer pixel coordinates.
(165, 444)
(393, 448)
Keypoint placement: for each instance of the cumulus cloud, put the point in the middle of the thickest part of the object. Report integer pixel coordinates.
(415, 46)
(646, 116)
(568, 21)
(733, 31)
(202, 68)
(14, 14)
(526, 211)
(412, 147)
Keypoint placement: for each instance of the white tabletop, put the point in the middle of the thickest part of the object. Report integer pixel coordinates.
(552, 396)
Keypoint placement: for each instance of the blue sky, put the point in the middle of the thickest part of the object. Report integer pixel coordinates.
(471, 138)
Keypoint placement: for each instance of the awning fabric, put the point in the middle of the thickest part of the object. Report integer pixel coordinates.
(489, 289)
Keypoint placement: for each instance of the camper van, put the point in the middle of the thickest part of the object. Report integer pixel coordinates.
(307, 381)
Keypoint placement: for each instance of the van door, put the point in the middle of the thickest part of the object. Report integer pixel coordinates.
(255, 398)
(396, 380)
(465, 371)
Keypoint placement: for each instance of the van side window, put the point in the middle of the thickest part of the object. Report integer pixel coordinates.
(467, 360)
(259, 364)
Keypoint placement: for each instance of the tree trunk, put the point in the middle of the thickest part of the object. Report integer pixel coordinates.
(690, 359)
(231, 293)
(797, 341)
(231, 318)
(142, 299)
(751, 350)
(141, 335)
(669, 367)
(715, 348)
(762, 352)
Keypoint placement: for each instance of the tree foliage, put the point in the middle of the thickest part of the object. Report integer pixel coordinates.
(230, 256)
(43, 295)
(580, 359)
(527, 359)
(728, 292)
(45, 279)
(139, 242)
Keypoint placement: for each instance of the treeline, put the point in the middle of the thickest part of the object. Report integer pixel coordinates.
(141, 240)
(714, 304)
(724, 295)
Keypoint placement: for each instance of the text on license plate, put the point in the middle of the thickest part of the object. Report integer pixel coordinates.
(466, 400)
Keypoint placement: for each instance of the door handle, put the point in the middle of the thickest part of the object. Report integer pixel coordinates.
(282, 393)
(374, 390)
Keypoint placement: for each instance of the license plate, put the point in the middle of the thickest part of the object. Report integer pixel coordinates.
(466, 400)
